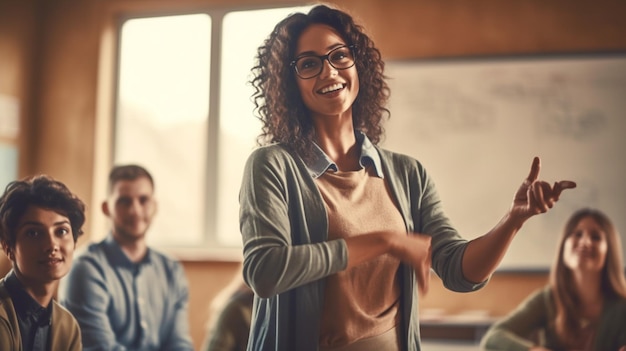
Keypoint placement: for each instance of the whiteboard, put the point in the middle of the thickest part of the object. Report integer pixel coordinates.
(476, 125)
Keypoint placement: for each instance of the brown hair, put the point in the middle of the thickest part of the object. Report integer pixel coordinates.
(277, 99)
(128, 172)
(561, 282)
(41, 191)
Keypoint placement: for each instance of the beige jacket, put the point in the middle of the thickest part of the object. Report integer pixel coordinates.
(64, 331)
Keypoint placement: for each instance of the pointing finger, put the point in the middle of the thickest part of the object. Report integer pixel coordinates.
(534, 170)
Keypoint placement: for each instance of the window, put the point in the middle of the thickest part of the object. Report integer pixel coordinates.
(170, 120)
(9, 130)
(238, 126)
(162, 116)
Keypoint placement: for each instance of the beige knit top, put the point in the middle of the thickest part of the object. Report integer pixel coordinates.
(362, 302)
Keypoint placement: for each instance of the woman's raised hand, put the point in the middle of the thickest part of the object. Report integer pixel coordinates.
(537, 196)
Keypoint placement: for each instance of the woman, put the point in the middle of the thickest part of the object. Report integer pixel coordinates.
(338, 233)
(40, 221)
(584, 305)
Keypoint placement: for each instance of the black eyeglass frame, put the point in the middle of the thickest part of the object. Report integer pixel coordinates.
(325, 58)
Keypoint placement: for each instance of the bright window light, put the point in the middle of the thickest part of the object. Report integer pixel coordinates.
(163, 119)
(162, 114)
(244, 32)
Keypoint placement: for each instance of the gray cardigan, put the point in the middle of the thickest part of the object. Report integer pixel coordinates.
(284, 227)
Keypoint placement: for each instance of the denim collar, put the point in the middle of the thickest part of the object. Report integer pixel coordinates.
(320, 163)
(118, 257)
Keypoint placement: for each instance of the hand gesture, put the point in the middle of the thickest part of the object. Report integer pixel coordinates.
(537, 196)
(415, 250)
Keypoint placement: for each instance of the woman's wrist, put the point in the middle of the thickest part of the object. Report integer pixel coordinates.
(395, 244)
(513, 220)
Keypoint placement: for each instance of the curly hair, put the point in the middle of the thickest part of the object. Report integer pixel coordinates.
(561, 280)
(41, 191)
(277, 99)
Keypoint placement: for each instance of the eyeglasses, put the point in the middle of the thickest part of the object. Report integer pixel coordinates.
(310, 66)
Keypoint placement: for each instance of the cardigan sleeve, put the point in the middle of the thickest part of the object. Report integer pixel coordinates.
(283, 225)
(448, 246)
(422, 209)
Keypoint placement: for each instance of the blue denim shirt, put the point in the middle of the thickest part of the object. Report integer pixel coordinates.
(321, 162)
(121, 305)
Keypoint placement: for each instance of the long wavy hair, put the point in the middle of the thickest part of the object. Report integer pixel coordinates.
(613, 283)
(277, 99)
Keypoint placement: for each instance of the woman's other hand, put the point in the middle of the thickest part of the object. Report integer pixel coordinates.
(415, 250)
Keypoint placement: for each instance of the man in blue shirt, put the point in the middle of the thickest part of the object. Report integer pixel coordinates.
(125, 295)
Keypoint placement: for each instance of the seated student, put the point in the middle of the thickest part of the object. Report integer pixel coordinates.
(40, 221)
(125, 294)
(231, 312)
(584, 305)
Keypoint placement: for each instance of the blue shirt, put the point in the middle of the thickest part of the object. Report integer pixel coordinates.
(121, 305)
(320, 162)
(34, 320)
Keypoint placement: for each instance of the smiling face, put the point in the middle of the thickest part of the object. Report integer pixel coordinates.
(44, 246)
(585, 249)
(333, 91)
(130, 207)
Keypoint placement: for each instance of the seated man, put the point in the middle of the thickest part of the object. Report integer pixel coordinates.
(40, 221)
(125, 295)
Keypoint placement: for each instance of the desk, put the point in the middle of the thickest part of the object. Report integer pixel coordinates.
(467, 327)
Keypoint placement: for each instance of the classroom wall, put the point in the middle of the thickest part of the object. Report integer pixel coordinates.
(56, 61)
